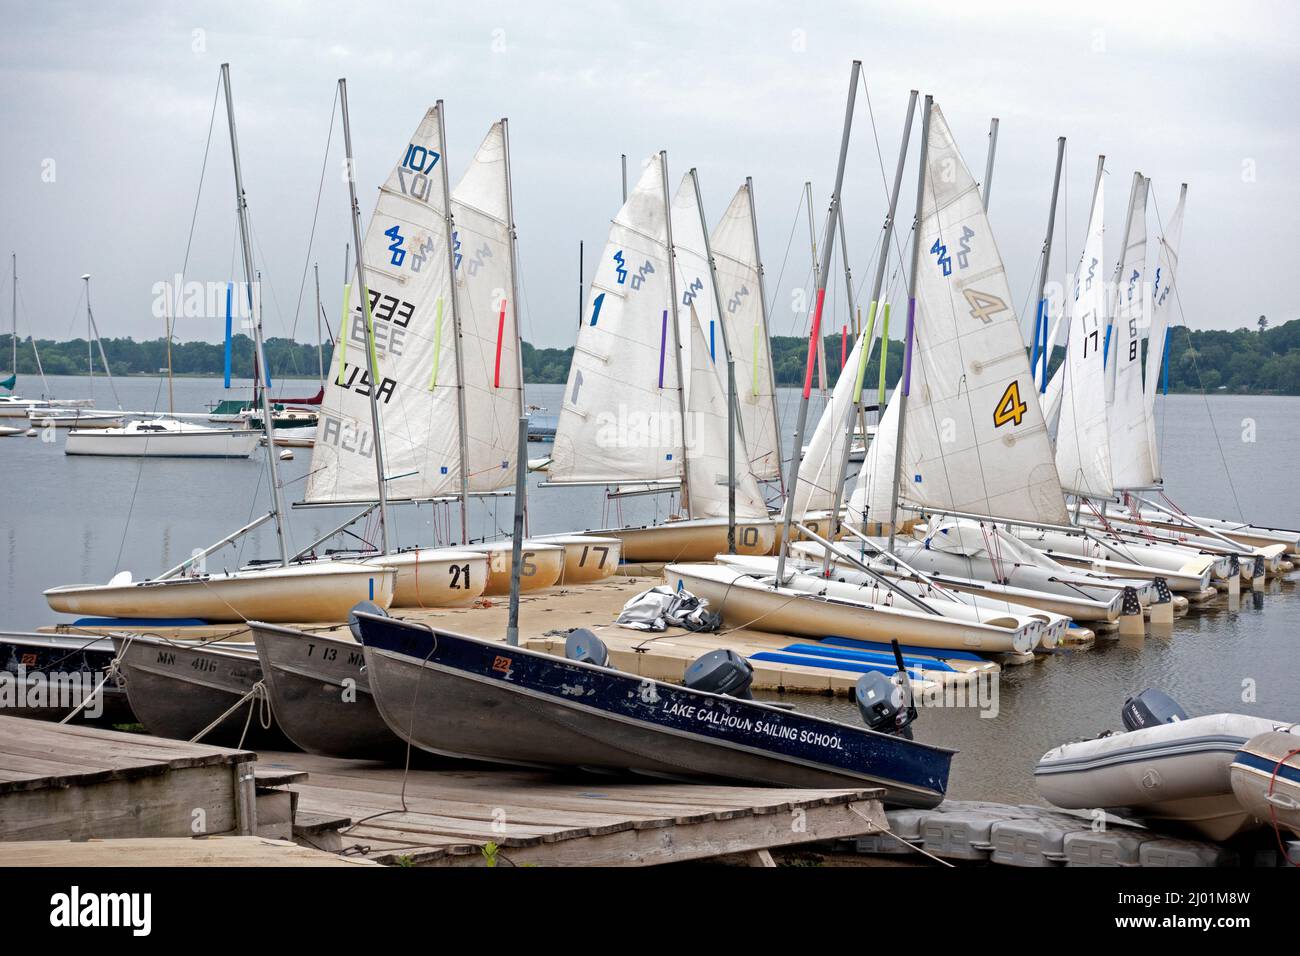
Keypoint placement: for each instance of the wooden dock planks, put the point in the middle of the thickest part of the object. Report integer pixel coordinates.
(174, 851)
(72, 781)
(448, 817)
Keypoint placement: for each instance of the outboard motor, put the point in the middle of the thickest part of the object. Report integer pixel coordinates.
(365, 607)
(721, 672)
(1151, 708)
(586, 648)
(885, 703)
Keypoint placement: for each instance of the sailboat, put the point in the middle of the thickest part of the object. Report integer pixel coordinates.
(1104, 434)
(797, 599)
(629, 403)
(287, 592)
(442, 338)
(103, 434)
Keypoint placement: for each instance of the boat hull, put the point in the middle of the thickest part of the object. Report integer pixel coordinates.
(320, 694)
(180, 691)
(693, 540)
(1176, 772)
(1265, 777)
(436, 577)
(542, 564)
(110, 444)
(743, 600)
(464, 697)
(587, 558)
(72, 664)
(305, 593)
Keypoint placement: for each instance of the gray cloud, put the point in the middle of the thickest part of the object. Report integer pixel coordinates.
(118, 97)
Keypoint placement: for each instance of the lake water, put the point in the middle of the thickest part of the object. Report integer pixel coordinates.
(72, 519)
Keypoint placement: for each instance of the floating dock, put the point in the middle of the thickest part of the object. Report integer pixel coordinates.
(78, 796)
(781, 663)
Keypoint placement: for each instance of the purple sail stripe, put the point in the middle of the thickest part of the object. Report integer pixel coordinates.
(663, 348)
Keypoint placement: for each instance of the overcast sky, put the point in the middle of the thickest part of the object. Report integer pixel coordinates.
(106, 106)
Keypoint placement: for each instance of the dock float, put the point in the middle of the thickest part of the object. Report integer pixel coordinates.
(546, 616)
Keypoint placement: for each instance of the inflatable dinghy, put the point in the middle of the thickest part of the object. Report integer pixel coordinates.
(1168, 769)
(1265, 778)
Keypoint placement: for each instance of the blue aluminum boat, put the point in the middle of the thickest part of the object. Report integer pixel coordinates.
(465, 697)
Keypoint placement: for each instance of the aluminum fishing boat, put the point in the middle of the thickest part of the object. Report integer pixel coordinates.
(466, 697)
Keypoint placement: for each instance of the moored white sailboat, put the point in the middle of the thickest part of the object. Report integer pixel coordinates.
(631, 417)
(287, 592)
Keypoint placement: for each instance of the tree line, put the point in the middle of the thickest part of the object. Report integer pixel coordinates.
(1265, 361)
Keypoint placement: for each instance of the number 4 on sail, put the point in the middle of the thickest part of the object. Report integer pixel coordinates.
(1010, 407)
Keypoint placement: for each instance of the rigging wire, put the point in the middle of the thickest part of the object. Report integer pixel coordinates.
(207, 147)
(1218, 443)
(311, 238)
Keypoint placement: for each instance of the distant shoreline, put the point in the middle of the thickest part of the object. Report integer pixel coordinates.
(313, 379)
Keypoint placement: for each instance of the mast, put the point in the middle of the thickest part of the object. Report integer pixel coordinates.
(1114, 286)
(94, 334)
(171, 398)
(733, 413)
(320, 338)
(767, 338)
(364, 303)
(90, 354)
(241, 208)
(677, 332)
(13, 339)
(625, 177)
(522, 464)
(877, 283)
(455, 322)
(906, 383)
(988, 166)
(796, 457)
(851, 417)
(580, 283)
(1040, 322)
(817, 282)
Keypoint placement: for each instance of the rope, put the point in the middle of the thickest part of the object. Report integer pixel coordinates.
(906, 843)
(258, 691)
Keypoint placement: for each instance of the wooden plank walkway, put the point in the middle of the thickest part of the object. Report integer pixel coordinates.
(450, 817)
(175, 851)
(73, 781)
(662, 656)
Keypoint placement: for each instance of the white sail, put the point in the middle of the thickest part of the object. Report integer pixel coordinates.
(1162, 302)
(707, 474)
(620, 420)
(975, 439)
(1083, 436)
(694, 280)
(488, 316)
(821, 470)
(405, 256)
(1130, 457)
(737, 266)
